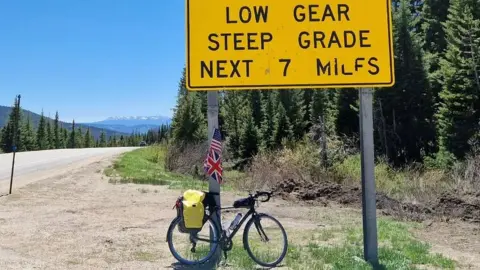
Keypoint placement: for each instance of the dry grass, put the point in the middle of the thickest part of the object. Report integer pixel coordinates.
(466, 174)
(414, 183)
(304, 162)
(185, 158)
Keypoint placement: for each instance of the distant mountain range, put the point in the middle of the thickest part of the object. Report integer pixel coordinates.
(112, 125)
(131, 124)
(35, 119)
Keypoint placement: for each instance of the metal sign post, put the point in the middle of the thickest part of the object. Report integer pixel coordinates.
(214, 186)
(14, 139)
(368, 177)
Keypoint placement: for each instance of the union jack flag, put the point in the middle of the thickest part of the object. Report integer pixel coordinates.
(213, 162)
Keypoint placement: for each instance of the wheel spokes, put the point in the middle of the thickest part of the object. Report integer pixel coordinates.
(267, 241)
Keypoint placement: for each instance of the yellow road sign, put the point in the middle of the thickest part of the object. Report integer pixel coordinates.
(260, 44)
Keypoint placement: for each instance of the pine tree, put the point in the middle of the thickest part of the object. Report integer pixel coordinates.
(202, 97)
(28, 136)
(103, 139)
(114, 141)
(4, 139)
(72, 139)
(12, 129)
(347, 122)
(79, 138)
(162, 133)
(49, 133)
(65, 138)
(249, 137)
(189, 124)
(221, 105)
(459, 110)
(57, 142)
(42, 140)
(234, 112)
(324, 108)
(283, 128)
(406, 110)
(292, 101)
(434, 14)
(256, 106)
(267, 129)
(87, 143)
(307, 101)
(182, 85)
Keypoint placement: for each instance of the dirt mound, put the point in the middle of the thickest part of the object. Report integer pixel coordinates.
(447, 205)
(451, 205)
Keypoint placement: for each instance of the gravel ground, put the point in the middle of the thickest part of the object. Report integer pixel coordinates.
(77, 220)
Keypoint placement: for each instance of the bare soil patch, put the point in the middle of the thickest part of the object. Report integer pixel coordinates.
(465, 207)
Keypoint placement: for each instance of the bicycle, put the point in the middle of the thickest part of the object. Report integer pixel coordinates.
(221, 237)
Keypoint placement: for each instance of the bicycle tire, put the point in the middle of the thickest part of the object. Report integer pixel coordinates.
(247, 246)
(182, 260)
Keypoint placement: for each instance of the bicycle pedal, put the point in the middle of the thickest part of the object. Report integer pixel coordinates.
(192, 249)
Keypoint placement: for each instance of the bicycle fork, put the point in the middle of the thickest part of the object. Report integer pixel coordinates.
(260, 230)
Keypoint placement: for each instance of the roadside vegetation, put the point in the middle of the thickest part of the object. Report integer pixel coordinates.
(147, 166)
(340, 247)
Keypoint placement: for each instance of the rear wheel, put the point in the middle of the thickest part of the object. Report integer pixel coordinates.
(273, 240)
(193, 248)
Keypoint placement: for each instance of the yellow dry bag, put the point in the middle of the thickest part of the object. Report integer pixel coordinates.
(193, 209)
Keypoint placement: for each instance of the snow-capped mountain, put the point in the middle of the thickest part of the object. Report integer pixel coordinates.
(118, 118)
(129, 124)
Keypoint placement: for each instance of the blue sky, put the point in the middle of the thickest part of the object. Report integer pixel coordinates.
(90, 59)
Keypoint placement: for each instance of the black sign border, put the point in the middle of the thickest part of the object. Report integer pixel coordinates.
(250, 86)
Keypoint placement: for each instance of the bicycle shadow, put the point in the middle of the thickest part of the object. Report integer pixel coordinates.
(207, 265)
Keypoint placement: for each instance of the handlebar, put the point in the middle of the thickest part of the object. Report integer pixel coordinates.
(260, 194)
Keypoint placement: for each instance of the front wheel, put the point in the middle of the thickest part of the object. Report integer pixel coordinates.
(273, 235)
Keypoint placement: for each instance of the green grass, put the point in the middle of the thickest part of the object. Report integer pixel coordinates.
(146, 166)
(397, 250)
(406, 183)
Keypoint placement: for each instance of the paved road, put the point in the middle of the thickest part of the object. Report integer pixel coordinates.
(32, 165)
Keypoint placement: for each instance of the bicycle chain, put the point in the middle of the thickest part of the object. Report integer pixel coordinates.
(225, 242)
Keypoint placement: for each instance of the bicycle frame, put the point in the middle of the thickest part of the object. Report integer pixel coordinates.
(251, 212)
